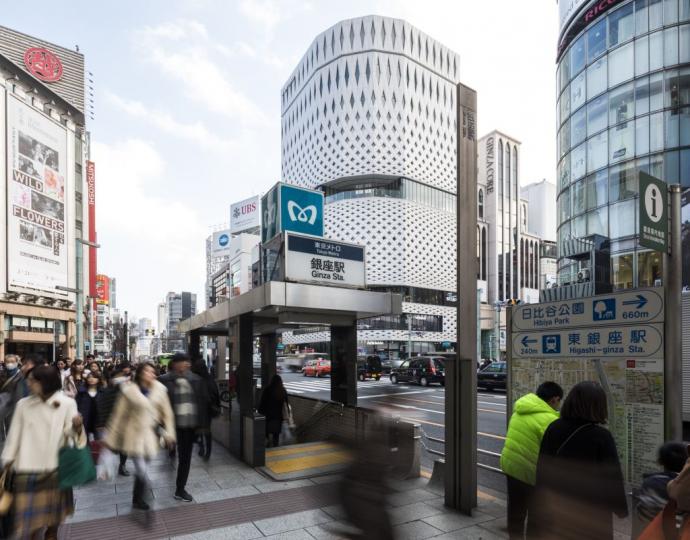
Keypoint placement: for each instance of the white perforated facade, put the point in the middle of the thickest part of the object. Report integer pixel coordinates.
(368, 116)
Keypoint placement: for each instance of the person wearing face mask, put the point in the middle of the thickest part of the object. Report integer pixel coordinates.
(16, 386)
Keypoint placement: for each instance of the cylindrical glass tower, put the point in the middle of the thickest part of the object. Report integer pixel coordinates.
(623, 83)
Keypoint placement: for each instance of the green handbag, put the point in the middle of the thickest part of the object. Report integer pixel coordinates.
(75, 466)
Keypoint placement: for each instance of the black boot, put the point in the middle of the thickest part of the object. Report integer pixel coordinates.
(138, 502)
(122, 471)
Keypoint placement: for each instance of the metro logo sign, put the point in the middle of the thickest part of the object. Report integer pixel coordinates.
(43, 64)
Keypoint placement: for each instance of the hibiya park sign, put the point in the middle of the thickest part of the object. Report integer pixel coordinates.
(616, 340)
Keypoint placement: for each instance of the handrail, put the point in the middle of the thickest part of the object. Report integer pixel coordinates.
(443, 454)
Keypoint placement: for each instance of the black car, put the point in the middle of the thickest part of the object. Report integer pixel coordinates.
(493, 376)
(369, 368)
(423, 370)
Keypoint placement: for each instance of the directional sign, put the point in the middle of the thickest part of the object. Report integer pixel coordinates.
(631, 341)
(653, 210)
(632, 307)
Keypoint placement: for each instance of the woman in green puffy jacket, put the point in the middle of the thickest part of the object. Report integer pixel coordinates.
(532, 414)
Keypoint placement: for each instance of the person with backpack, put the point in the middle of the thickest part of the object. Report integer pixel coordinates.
(579, 478)
(532, 414)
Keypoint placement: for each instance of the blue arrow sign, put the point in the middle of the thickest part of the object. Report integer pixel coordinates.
(525, 342)
(641, 301)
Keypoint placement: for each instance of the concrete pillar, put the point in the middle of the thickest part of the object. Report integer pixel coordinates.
(70, 331)
(344, 364)
(268, 358)
(245, 372)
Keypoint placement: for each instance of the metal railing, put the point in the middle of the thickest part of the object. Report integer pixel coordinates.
(443, 454)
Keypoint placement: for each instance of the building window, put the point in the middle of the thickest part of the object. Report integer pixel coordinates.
(622, 271)
(507, 190)
(480, 204)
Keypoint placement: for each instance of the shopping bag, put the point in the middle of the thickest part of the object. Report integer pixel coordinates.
(287, 415)
(108, 463)
(95, 447)
(287, 434)
(75, 466)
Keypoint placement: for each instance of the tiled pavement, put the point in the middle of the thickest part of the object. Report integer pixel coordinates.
(232, 501)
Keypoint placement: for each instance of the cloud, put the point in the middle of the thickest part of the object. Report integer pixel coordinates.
(265, 12)
(183, 52)
(150, 244)
(196, 131)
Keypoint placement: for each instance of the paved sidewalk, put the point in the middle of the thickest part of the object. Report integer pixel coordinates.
(232, 501)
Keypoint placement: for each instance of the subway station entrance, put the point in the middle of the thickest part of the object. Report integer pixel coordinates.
(265, 311)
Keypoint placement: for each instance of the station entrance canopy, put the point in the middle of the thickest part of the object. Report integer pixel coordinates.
(266, 310)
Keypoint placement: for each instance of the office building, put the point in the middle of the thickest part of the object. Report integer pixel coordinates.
(178, 306)
(623, 106)
(44, 265)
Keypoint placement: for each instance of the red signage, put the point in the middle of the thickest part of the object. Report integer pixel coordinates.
(102, 289)
(43, 64)
(592, 14)
(91, 193)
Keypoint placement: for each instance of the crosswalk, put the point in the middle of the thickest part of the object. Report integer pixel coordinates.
(309, 385)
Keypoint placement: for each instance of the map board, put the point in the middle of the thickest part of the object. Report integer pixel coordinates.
(615, 339)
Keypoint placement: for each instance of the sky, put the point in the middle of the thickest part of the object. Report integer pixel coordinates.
(187, 108)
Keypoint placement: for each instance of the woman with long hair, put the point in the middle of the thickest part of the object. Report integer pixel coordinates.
(75, 379)
(141, 419)
(42, 424)
(273, 401)
(212, 410)
(579, 479)
(87, 402)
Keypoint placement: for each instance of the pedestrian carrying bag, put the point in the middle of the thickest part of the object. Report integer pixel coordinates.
(75, 466)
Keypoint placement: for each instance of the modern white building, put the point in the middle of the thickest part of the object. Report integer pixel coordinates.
(369, 118)
(542, 217)
(178, 306)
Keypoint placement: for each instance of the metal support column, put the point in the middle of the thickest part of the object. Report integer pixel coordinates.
(461, 375)
(193, 344)
(673, 270)
(269, 342)
(344, 364)
(245, 371)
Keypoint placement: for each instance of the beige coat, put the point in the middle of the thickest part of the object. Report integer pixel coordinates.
(38, 430)
(132, 425)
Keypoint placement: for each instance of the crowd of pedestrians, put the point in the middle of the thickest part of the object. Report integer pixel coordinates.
(122, 411)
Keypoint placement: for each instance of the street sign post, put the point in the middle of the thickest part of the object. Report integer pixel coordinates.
(615, 339)
(653, 212)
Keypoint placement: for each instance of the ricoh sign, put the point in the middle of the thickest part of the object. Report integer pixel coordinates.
(245, 215)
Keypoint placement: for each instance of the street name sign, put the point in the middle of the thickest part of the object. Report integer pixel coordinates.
(653, 212)
(637, 306)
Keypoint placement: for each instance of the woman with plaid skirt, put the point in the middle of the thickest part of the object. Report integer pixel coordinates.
(41, 425)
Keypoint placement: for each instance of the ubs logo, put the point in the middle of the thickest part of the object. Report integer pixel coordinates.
(308, 214)
(43, 64)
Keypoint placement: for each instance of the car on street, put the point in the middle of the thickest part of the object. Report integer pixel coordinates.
(492, 377)
(317, 368)
(369, 368)
(423, 370)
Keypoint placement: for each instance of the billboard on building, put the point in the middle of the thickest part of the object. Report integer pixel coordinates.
(245, 215)
(91, 198)
(37, 209)
(221, 243)
(102, 290)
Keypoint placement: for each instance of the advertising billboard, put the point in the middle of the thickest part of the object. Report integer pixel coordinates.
(91, 199)
(245, 215)
(37, 209)
(102, 289)
(221, 243)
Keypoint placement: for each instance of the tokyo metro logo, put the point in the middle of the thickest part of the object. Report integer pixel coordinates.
(308, 214)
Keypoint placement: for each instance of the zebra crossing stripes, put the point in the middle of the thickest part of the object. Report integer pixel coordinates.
(317, 385)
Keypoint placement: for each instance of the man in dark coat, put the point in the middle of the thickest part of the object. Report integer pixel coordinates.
(189, 400)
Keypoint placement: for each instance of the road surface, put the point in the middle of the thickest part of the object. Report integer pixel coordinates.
(424, 406)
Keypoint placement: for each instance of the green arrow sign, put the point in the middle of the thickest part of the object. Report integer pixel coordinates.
(653, 211)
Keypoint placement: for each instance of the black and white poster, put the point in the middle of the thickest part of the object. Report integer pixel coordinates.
(36, 205)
